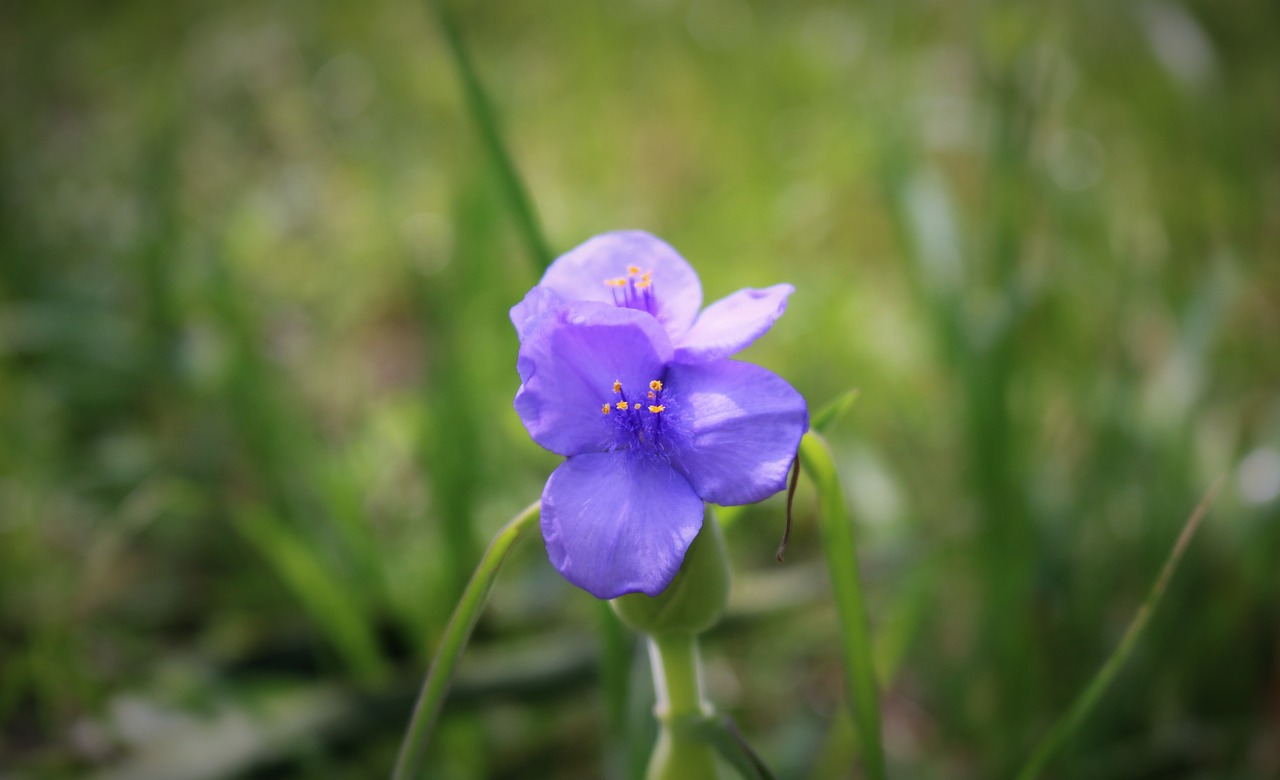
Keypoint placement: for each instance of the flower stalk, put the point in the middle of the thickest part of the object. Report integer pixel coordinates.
(680, 751)
(436, 684)
(672, 622)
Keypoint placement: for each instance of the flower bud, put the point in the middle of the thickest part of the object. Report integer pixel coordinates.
(695, 599)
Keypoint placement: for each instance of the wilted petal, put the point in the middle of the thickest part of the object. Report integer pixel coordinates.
(583, 273)
(569, 363)
(743, 425)
(615, 523)
(731, 324)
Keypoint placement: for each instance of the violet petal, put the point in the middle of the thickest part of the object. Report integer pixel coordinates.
(583, 273)
(533, 309)
(743, 424)
(616, 524)
(731, 324)
(569, 364)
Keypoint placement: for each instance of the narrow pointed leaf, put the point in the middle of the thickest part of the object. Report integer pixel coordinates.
(842, 565)
(326, 600)
(830, 414)
(487, 124)
(1088, 698)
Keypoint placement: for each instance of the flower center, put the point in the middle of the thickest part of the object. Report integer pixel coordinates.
(639, 421)
(633, 291)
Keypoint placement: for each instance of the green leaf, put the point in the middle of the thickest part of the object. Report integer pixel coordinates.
(616, 651)
(842, 565)
(830, 414)
(491, 137)
(325, 599)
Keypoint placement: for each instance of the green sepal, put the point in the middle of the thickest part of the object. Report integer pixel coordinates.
(694, 601)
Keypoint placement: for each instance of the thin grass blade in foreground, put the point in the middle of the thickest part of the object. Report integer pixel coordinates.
(456, 634)
(1084, 704)
(842, 565)
(487, 123)
(332, 606)
(830, 414)
(615, 655)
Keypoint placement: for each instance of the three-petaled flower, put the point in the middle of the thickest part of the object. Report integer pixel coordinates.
(621, 375)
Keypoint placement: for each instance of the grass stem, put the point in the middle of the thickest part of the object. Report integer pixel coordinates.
(1088, 699)
(491, 137)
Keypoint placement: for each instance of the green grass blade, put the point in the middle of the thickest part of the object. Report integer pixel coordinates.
(328, 602)
(842, 564)
(616, 651)
(830, 414)
(456, 634)
(1088, 699)
(487, 123)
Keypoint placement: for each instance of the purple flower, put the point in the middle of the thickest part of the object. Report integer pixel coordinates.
(648, 436)
(635, 270)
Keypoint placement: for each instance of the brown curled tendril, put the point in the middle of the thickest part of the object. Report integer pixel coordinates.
(791, 495)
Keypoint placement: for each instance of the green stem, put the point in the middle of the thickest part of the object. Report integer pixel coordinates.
(677, 681)
(487, 123)
(677, 676)
(1088, 699)
(456, 634)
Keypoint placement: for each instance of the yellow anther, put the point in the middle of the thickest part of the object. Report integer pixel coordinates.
(622, 405)
(655, 385)
(605, 409)
(617, 386)
(643, 283)
(633, 270)
(647, 276)
(656, 409)
(616, 282)
(651, 395)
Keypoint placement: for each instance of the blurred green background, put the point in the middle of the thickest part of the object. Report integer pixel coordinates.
(256, 374)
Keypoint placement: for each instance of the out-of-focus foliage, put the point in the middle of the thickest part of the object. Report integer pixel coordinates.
(255, 372)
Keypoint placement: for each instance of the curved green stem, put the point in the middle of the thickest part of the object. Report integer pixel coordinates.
(456, 634)
(842, 565)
